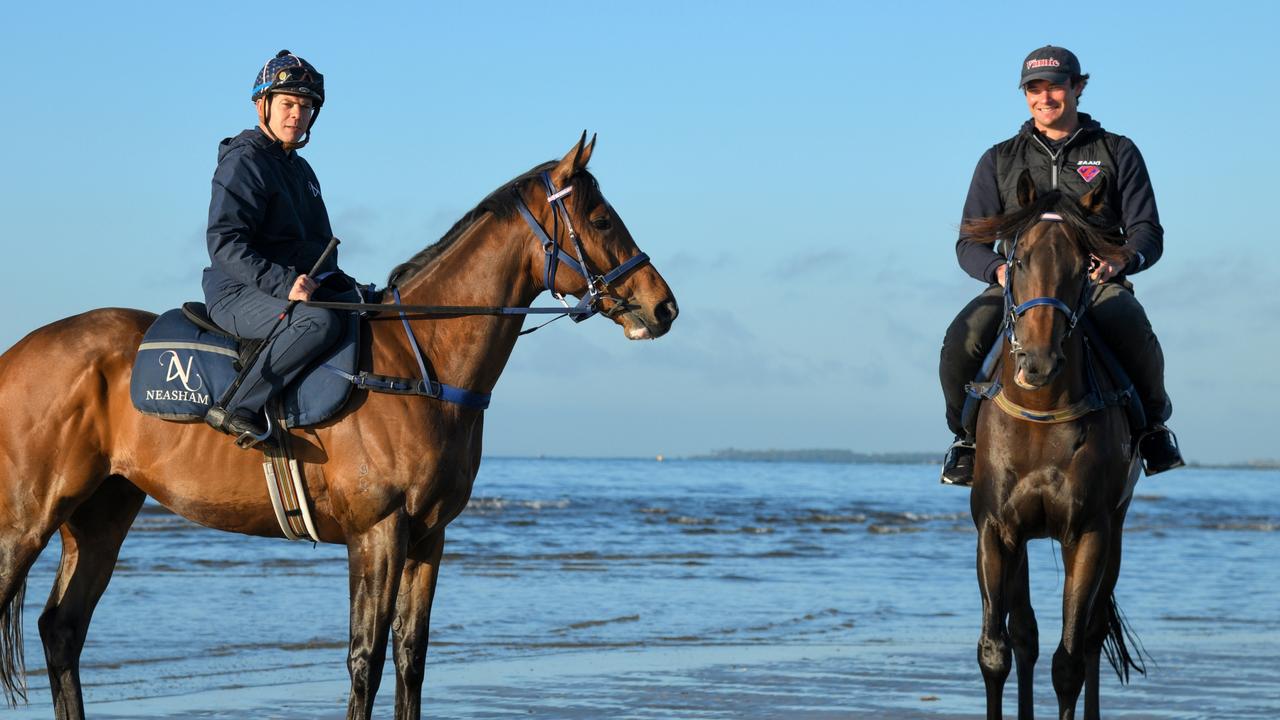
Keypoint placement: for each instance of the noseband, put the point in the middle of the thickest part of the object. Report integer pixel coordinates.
(1016, 310)
(598, 288)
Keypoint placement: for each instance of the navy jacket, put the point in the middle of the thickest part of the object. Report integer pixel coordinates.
(1090, 146)
(267, 219)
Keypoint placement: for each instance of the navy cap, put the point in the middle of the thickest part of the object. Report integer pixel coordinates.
(1056, 64)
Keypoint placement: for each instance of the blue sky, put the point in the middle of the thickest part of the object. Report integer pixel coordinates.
(796, 171)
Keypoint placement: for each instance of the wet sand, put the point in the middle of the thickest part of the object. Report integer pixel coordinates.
(808, 682)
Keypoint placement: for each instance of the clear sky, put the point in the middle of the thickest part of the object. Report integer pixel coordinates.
(796, 171)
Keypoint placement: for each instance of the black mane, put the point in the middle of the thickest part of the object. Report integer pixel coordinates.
(500, 202)
(1094, 235)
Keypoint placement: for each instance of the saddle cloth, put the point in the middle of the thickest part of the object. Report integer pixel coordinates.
(182, 369)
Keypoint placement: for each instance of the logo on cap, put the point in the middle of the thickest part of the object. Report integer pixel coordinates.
(1047, 62)
(1089, 172)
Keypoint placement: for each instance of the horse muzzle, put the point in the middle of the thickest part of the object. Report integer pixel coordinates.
(641, 322)
(1035, 370)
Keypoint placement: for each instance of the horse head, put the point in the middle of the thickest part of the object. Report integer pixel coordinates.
(585, 233)
(1048, 286)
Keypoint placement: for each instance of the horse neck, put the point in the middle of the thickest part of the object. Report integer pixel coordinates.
(487, 265)
(1070, 385)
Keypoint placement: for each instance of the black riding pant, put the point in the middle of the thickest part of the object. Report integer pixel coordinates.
(1116, 314)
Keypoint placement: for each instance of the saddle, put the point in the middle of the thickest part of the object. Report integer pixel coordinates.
(186, 361)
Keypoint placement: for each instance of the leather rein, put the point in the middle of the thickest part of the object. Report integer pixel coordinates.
(592, 302)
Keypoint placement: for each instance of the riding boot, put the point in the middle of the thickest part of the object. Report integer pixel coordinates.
(957, 466)
(1158, 447)
(246, 429)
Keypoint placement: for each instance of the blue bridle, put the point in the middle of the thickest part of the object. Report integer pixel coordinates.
(597, 285)
(1016, 310)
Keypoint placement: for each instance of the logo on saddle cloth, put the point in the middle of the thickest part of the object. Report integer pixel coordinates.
(1089, 169)
(175, 370)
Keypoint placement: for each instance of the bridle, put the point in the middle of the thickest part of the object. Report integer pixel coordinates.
(1016, 310)
(598, 289)
(1095, 399)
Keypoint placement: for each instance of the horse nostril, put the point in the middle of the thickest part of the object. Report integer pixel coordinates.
(666, 311)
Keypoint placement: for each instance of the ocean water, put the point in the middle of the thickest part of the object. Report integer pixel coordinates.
(686, 589)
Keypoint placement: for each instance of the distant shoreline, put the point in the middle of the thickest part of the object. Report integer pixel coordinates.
(849, 457)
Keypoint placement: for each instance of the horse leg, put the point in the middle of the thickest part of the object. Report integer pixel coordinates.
(27, 521)
(1024, 634)
(1085, 564)
(91, 540)
(413, 621)
(993, 644)
(1100, 626)
(376, 560)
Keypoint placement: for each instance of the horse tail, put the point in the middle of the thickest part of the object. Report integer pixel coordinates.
(1117, 642)
(13, 666)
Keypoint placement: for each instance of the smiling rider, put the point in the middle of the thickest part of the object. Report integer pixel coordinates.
(1066, 150)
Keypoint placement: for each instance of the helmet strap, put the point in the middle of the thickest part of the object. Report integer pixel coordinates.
(266, 124)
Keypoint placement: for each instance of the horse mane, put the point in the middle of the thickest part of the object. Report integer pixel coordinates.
(1093, 235)
(500, 202)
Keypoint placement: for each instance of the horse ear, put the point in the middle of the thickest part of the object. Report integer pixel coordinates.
(1026, 189)
(1093, 200)
(574, 160)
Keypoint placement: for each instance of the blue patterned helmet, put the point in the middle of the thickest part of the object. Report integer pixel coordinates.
(288, 73)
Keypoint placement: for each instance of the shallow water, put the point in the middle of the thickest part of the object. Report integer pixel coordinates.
(638, 589)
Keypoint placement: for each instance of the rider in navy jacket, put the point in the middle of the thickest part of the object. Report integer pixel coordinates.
(267, 219)
(267, 228)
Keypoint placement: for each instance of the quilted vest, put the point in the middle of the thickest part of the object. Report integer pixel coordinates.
(1077, 167)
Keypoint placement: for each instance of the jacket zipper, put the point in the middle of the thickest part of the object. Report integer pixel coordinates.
(1054, 155)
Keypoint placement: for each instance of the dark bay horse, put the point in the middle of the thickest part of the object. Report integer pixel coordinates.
(386, 475)
(1052, 460)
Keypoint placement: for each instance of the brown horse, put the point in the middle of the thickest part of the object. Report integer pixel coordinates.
(386, 475)
(1053, 459)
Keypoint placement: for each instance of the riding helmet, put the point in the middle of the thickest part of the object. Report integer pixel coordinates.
(288, 73)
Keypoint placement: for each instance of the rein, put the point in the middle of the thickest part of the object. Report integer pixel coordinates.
(598, 291)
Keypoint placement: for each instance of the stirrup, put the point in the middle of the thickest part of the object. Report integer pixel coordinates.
(952, 462)
(219, 419)
(1171, 462)
(248, 439)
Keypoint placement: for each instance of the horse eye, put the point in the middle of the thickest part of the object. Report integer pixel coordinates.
(601, 223)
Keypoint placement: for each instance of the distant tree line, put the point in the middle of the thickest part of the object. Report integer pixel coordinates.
(821, 456)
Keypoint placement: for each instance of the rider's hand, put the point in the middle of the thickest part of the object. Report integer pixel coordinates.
(302, 288)
(1002, 274)
(1102, 270)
